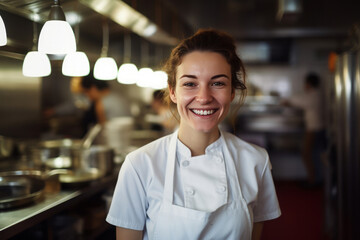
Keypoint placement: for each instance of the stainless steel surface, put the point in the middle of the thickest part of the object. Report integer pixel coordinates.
(17, 220)
(19, 188)
(19, 101)
(343, 154)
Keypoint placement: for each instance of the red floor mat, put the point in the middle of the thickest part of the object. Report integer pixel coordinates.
(302, 214)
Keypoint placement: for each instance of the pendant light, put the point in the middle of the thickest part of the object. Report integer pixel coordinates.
(3, 37)
(76, 64)
(159, 77)
(57, 36)
(145, 74)
(160, 80)
(36, 64)
(145, 77)
(128, 72)
(105, 67)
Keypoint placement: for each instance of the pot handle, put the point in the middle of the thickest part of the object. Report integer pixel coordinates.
(57, 172)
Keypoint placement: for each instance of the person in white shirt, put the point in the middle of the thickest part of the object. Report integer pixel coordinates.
(199, 182)
(312, 103)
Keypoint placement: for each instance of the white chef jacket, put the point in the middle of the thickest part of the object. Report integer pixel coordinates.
(139, 191)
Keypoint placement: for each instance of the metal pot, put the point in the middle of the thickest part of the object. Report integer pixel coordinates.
(86, 163)
(90, 164)
(21, 187)
(52, 153)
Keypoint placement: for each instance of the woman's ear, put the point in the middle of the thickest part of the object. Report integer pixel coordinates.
(172, 95)
(232, 94)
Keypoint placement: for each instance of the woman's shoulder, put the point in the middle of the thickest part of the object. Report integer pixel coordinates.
(243, 145)
(245, 152)
(154, 151)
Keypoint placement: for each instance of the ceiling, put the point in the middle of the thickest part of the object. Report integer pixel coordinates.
(244, 19)
(254, 19)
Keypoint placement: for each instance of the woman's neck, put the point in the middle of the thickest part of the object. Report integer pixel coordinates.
(196, 141)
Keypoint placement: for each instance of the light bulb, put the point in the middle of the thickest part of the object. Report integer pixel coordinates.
(159, 80)
(128, 73)
(76, 64)
(105, 69)
(36, 64)
(145, 76)
(3, 37)
(57, 37)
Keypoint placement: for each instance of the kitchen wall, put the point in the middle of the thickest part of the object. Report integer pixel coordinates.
(307, 55)
(19, 100)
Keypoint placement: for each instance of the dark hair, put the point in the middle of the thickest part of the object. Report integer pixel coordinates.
(313, 80)
(88, 81)
(158, 95)
(213, 41)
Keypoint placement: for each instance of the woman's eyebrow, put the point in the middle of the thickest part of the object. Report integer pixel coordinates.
(220, 76)
(187, 76)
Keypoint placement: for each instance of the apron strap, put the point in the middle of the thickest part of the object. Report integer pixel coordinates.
(170, 170)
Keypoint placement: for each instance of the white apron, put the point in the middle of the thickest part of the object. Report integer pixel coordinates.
(231, 221)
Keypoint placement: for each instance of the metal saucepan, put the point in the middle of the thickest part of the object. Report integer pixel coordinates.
(91, 164)
(18, 188)
(86, 163)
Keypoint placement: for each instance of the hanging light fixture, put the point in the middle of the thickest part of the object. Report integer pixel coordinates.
(57, 36)
(3, 37)
(105, 67)
(76, 64)
(128, 71)
(159, 80)
(36, 64)
(145, 74)
(145, 77)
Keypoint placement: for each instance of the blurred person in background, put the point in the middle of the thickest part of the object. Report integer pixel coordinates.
(312, 104)
(164, 120)
(105, 104)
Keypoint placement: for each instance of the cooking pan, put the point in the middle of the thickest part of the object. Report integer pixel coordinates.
(18, 188)
(90, 164)
(86, 163)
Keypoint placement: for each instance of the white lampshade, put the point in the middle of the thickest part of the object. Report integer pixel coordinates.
(36, 64)
(3, 37)
(145, 77)
(57, 37)
(128, 74)
(159, 80)
(105, 69)
(76, 64)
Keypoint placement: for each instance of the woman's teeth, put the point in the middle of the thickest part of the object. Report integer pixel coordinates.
(203, 112)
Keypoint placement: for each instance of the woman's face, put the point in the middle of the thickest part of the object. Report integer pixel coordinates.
(203, 91)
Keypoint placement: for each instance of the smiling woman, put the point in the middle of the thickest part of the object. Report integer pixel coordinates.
(199, 182)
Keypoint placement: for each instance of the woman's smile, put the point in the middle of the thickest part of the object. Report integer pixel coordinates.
(203, 112)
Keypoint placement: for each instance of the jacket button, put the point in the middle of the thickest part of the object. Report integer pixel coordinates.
(185, 163)
(190, 192)
(222, 188)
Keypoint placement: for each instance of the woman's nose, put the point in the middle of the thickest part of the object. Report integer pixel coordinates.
(204, 95)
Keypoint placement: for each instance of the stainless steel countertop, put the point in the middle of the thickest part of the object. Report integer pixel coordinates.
(17, 220)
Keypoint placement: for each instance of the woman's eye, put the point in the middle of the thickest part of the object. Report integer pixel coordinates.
(189, 84)
(218, 84)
